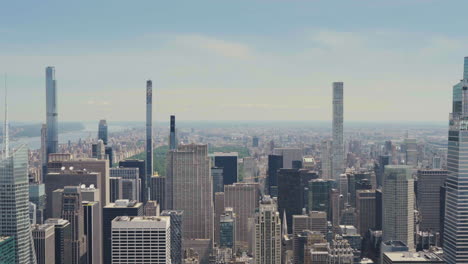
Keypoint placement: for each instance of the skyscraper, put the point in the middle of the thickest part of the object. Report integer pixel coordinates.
(172, 135)
(52, 115)
(289, 155)
(130, 182)
(227, 229)
(244, 199)
(62, 239)
(44, 243)
(93, 231)
(218, 211)
(141, 240)
(275, 162)
(109, 213)
(338, 164)
(267, 233)
(102, 131)
(149, 139)
(428, 198)
(398, 205)
(158, 191)
(456, 221)
(72, 210)
(227, 161)
(365, 211)
(326, 159)
(141, 165)
(190, 189)
(7, 249)
(176, 234)
(14, 202)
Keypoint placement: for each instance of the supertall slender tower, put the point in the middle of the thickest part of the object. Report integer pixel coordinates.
(337, 127)
(172, 135)
(456, 219)
(149, 139)
(52, 115)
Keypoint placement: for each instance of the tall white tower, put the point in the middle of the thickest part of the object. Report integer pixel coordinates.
(338, 165)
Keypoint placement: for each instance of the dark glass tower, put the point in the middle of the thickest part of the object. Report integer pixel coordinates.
(149, 139)
(275, 162)
(172, 135)
(227, 161)
(102, 131)
(52, 115)
(176, 234)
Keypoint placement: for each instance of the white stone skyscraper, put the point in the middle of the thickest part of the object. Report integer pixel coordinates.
(267, 233)
(149, 140)
(456, 218)
(398, 205)
(338, 164)
(190, 188)
(52, 115)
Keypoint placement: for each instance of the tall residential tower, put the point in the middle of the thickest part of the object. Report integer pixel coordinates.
(149, 139)
(338, 165)
(52, 115)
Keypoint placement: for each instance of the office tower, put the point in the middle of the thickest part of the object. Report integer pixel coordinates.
(343, 187)
(63, 233)
(340, 251)
(410, 258)
(32, 213)
(227, 161)
(455, 242)
(365, 211)
(436, 163)
(191, 189)
(428, 198)
(275, 162)
(338, 162)
(319, 195)
(109, 155)
(158, 191)
(151, 208)
(43, 151)
(218, 211)
(243, 198)
(411, 152)
(398, 205)
(109, 213)
(176, 234)
(267, 233)
(314, 221)
(227, 229)
(442, 203)
(52, 114)
(334, 208)
(133, 236)
(289, 155)
(72, 210)
(326, 159)
(255, 142)
(7, 249)
(217, 176)
(14, 202)
(383, 161)
(58, 180)
(292, 193)
(172, 135)
(378, 209)
(98, 150)
(130, 182)
(140, 164)
(116, 189)
(102, 131)
(92, 215)
(59, 161)
(90, 193)
(149, 139)
(38, 197)
(250, 169)
(44, 243)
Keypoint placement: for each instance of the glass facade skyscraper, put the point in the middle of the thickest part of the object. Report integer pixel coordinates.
(456, 208)
(14, 203)
(52, 115)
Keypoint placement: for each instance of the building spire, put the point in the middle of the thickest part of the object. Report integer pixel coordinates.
(6, 140)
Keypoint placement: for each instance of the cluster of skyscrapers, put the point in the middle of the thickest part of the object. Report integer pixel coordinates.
(308, 205)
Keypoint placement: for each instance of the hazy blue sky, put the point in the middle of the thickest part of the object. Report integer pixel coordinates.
(234, 60)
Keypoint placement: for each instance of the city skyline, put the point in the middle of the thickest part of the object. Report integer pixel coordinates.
(188, 60)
